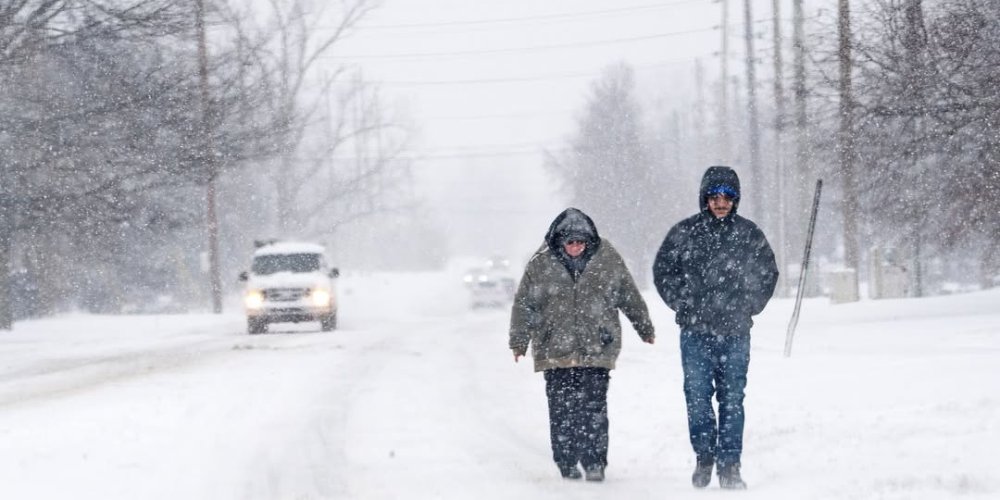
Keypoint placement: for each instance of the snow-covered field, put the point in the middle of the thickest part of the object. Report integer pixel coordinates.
(417, 397)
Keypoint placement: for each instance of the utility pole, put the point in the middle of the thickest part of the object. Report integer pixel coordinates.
(6, 237)
(738, 117)
(208, 157)
(781, 183)
(915, 44)
(675, 121)
(756, 179)
(699, 114)
(796, 195)
(725, 156)
(846, 140)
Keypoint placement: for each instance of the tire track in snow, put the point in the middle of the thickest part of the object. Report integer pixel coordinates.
(74, 374)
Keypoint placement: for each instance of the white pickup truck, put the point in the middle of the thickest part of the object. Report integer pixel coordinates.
(290, 282)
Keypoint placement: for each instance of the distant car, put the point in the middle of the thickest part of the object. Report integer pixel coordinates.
(489, 288)
(290, 282)
(153, 304)
(498, 263)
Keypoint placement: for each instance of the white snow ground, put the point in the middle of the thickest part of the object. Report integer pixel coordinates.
(417, 397)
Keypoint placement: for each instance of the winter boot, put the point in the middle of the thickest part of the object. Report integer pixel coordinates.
(595, 473)
(570, 472)
(702, 472)
(729, 477)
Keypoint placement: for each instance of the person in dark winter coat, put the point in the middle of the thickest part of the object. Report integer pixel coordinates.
(716, 270)
(566, 307)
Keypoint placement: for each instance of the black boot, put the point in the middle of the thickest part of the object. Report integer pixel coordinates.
(729, 477)
(703, 472)
(595, 473)
(570, 472)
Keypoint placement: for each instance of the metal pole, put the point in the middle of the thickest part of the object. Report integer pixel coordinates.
(208, 156)
(805, 266)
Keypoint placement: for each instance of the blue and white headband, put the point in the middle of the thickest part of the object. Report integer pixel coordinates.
(723, 190)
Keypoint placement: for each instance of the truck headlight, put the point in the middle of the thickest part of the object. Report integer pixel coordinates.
(320, 297)
(254, 299)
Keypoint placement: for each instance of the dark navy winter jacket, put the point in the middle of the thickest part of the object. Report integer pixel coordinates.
(715, 273)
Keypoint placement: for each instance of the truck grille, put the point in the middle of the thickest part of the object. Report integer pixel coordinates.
(285, 294)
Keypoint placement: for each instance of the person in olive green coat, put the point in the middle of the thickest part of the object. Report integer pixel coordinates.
(566, 309)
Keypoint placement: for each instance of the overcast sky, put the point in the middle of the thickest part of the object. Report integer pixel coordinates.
(490, 85)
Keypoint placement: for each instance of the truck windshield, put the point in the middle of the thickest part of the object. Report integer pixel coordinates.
(293, 262)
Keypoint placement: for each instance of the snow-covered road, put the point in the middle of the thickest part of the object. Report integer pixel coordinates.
(417, 397)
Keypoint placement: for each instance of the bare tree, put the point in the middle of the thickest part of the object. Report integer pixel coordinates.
(300, 38)
(341, 155)
(925, 111)
(30, 26)
(98, 131)
(609, 172)
(368, 181)
(27, 27)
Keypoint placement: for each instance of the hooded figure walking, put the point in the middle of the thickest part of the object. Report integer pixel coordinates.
(716, 270)
(566, 308)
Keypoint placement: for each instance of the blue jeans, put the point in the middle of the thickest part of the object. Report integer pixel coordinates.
(715, 364)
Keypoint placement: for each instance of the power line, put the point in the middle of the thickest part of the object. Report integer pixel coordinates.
(552, 76)
(566, 15)
(501, 115)
(513, 145)
(555, 76)
(445, 156)
(426, 55)
(497, 154)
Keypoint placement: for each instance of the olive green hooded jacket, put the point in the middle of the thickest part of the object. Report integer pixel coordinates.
(568, 316)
